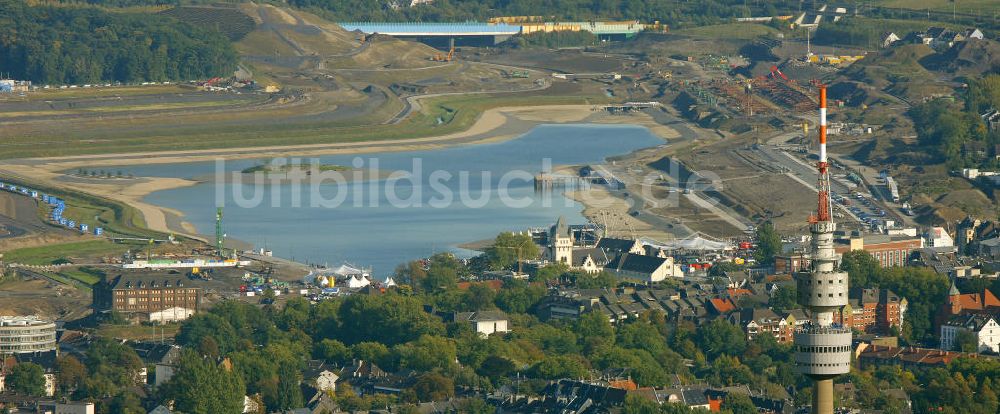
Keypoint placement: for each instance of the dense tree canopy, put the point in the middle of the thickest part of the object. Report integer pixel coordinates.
(202, 386)
(27, 378)
(79, 45)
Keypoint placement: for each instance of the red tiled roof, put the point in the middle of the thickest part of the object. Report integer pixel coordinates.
(625, 384)
(492, 284)
(722, 305)
(735, 293)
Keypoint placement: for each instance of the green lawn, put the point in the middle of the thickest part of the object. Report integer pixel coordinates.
(50, 254)
(83, 275)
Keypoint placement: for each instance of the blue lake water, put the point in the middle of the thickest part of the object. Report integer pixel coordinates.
(366, 229)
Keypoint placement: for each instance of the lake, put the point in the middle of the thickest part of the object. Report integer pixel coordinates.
(365, 224)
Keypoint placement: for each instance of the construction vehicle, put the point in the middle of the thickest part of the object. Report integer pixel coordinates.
(438, 57)
(776, 73)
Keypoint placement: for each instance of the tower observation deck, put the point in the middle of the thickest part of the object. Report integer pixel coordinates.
(823, 347)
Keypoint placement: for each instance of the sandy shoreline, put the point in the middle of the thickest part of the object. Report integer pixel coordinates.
(494, 125)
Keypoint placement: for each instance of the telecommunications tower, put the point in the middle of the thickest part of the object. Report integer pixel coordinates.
(823, 344)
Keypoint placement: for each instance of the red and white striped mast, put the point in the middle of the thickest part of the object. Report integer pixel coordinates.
(824, 211)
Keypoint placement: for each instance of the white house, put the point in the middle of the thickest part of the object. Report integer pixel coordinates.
(485, 322)
(983, 327)
(939, 237)
(327, 381)
(590, 260)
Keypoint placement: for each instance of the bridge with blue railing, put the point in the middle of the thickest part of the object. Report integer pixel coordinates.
(490, 33)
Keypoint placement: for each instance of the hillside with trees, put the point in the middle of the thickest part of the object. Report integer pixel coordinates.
(77, 45)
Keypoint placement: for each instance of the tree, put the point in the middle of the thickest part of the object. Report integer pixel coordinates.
(508, 248)
(49, 44)
(371, 352)
(595, 326)
(478, 297)
(433, 387)
(862, 268)
(549, 272)
(289, 393)
(600, 280)
(126, 402)
(768, 244)
(475, 406)
(388, 319)
(201, 386)
(720, 269)
(634, 404)
(412, 273)
(27, 378)
(70, 373)
(783, 299)
(560, 366)
(443, 272)
(332, 351)
(210, 325)
(966, 341)
(426, 353)
(738, 404)
(517, 296)
(720, 337)
(495, 367)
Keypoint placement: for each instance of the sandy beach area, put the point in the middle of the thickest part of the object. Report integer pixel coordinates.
(493, 125)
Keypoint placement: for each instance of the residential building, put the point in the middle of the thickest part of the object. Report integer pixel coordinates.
(869, 356)
(992, 119)
(983, 327)
(937, 237)
(589, 259)
(641, 268)
(26, 334)
(958, 303)
(146, 297)
(55, 407)
(764, 321)
(888, 250)
(486, 323)
(327, 381)
(615, 247)
(990, 248)
(163, 358)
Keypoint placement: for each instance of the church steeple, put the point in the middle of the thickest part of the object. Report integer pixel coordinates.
(953, 291)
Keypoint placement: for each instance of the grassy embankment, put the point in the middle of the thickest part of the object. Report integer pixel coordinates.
(47, 255)
(438, 116)
(116, 218)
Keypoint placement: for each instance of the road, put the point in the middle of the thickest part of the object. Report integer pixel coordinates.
(804, 172)
(412, 103)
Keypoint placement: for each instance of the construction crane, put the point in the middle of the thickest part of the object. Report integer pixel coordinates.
(219, 236)
(776, 73)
